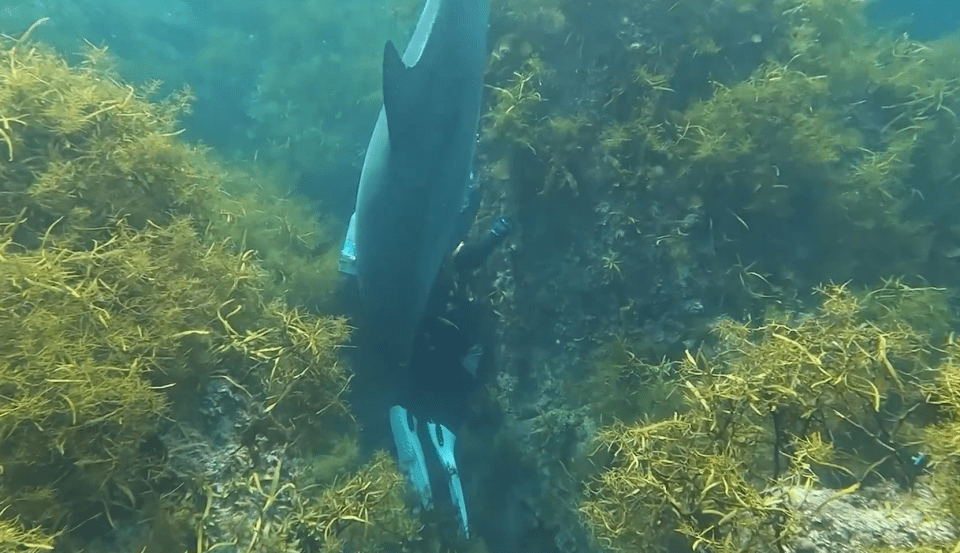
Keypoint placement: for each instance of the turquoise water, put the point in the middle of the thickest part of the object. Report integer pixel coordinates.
(922, 20)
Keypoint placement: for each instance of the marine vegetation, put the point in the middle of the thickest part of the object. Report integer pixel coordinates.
(56, 128)
(129, 297)
(840, 398)
(943, 439)
(833, 133)
(514, 125)
(17, 540)
(532, 16)
(619, 384)
(271, 511)
(776, 144)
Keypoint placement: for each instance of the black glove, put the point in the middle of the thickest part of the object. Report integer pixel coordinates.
(501, 227)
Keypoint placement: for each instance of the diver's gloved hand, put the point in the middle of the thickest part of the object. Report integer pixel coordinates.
(501, 227)
(469, 257)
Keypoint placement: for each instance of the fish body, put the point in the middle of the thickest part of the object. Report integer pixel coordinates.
(416, 175)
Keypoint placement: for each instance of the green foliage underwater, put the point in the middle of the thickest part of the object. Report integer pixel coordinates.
(129, 286)
(714, 164)
(728, 310)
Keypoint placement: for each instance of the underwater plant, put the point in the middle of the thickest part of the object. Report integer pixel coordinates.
(366, 508)
(128, 291)
(838, 127)
(17, 540)
(61, 123)
(620, 384)
(545, 16)
(517, 123)
(751, 131)
(279, 510)
(510, 114)
(941, 439)
(833, 399)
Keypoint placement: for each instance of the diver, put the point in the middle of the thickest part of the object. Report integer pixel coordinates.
(442, 372)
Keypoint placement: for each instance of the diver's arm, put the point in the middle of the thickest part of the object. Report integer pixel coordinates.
(470, 257)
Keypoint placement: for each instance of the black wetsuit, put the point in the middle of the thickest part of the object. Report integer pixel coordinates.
(440, 384)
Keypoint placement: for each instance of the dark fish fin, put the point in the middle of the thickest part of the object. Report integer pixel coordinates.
(400, 92)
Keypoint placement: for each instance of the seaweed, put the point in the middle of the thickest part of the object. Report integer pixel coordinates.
(278, 511)
(621, 383)
(833, 399)
(813, 146)
(16, 539)
(128, 290)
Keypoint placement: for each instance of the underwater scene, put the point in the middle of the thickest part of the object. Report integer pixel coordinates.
(471, 276)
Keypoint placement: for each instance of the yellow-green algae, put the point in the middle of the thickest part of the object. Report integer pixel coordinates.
(16, 539)
(753, 125)
(127, 283)
(621, 384)
(801, 145)
(772, 145)
(848, 128)
(839, 398)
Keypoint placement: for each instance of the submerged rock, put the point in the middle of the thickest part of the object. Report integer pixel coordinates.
(874, 517)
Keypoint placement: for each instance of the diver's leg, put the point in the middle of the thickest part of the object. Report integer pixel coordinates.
(444, 440)
(410, 454)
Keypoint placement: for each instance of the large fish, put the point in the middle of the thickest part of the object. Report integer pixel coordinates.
(416, 175)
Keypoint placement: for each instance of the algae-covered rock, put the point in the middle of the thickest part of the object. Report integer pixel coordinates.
(157, 379)
(781, 422)
(880, 519)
